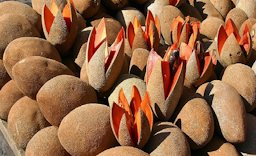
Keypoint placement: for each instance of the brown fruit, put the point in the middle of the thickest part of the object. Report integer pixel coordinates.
(45, 142)
(254, 67)
(207, 9)
(229, 109)
(243, 79)
(166, 16)
(167, 140)
(14, 26)
(24, 47)
(9, 94)
(196, 120)
(248, 6)
(238, 16)
(72, 66)
(25, 120)
(115, 4)
(124, 151)
(155, 8)
(249, 23)
(127, 15)
(248, 147)
(218, 147)
(189, 10)
(112, 27)
(81, 57)
(138, 62)
(223, 6)
(87, 8)
(81, 39)
(31, 73)
(126, 82)
(81, 22)
(15, 7)
(86, 130)
(62, 94)
(210, 26)
(4, 77)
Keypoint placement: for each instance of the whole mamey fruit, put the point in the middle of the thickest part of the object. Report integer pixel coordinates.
(86, 130)
(124, 151)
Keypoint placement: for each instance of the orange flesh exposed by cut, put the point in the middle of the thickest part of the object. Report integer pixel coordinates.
(222, 37)
(176, 78)
(48, 18)
(131, 34)
(207, 61)
(66, 13)
(145, 106)
(231, 28)
(166, 71)
(152, 59)
(117, 114)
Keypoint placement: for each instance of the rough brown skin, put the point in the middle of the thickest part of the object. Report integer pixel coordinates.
(25, 120)
(167, 139)
(86, 130)
(238, 16)
(218, 146)
(249, 22)
(58, 35)
(126, 15)
(9, 94)
(138, 62)
(81, 39)
(4, 77)
(209, 27)
(139, 40)
(243, 79)
(94, 73)
(254, 67)
(115, 4)
(223, 6)
(126, 82)
(112, 27)
(87, 8)
(15, 7)
(124, 151)
(14, 26)
(248, 6)
(45, 142)
(166, 16)
(81, 57)
(24, 47)
(231, 52)
(229, 109)
(196, 121)
(163, 108)
(155, 8)
(31, 73)
(207, 9)
(62, 94)
(248, 146)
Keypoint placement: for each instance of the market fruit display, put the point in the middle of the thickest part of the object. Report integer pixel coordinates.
(129, 77)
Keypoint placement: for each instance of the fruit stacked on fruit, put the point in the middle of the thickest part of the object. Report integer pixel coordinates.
(129, 77)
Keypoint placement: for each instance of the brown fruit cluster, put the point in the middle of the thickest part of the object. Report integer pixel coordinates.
(129, 77)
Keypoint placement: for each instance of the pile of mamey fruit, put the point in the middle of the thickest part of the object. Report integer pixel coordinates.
(129, 77)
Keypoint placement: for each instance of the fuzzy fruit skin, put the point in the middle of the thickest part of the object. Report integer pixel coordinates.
(126, 15)
(28, 76)
(45, 142)
(196, 121)
(138, 62)
(248, 6)
(60, 95)
(223, 6)
(59, 35)
(229, 109)
(238, 16)
(207, 9)
(9, 94)
(243, 79)
(167, 139)
(163, 108)
(86, 130)
(209, 27)
(87, 8)
(14, 7)
(166, 16)
(124, 151)
(25, 120)
(4, 77)
(218, 146)
(126, 82)
(23, 47)
(14, 26)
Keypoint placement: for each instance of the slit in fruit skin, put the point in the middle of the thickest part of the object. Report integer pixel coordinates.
(152, 59)
(117, 114)
(173, 2)
(231, 28)
(48, 18)
(131, 34)
(222, 37)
